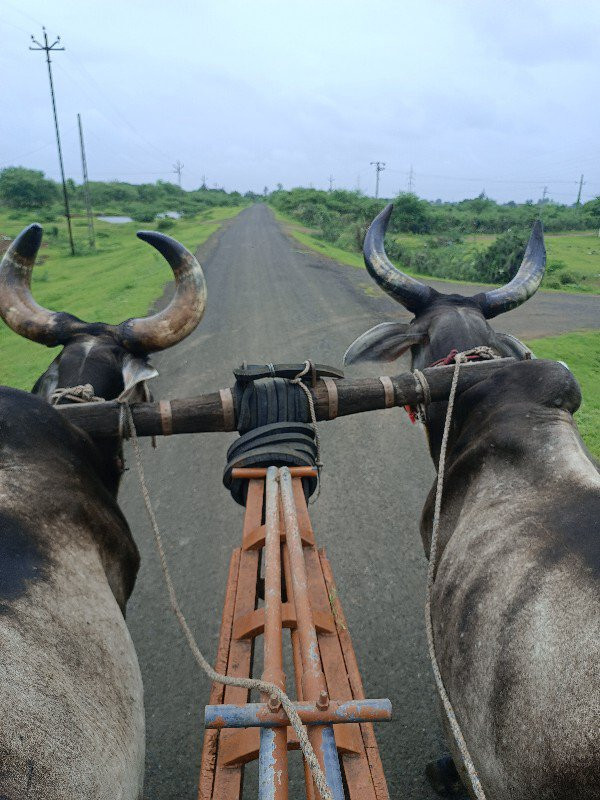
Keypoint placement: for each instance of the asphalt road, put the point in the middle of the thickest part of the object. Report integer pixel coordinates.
(270, 300)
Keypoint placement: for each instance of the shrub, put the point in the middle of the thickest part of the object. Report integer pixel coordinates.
(500, 261)
(165, 224)
(567, 278)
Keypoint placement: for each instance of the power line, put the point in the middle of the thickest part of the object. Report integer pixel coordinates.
(379, 167)
(47, 49)
(115, 108)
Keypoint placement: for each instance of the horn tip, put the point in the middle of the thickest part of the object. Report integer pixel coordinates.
(28, 241)
(170, 248)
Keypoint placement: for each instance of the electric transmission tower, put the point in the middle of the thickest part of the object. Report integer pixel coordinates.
(47, 48)
(581, 184)
(177, 167)
(86, 188)
(379, 167)
(411, 179)
(331, 183)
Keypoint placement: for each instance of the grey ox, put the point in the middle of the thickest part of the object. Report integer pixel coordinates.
(71, 700)
(516, 598)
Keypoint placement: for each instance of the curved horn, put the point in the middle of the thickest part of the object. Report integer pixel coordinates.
(184, 312)
(413, 294)
(525, 282)
(17, 306)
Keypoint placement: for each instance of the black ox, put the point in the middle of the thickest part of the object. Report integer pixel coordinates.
(516, 600)
(71, 697)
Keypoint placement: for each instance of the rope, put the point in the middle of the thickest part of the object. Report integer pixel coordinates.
(78, 394)
(459, 358)
(308, 365)
(245, 683)
(423, 387)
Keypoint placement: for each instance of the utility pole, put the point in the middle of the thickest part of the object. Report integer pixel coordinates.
(411, 179)
(47, 48)
(581, 183)
(379, 167)
(331, 183)
(177, 167)
(86, 188)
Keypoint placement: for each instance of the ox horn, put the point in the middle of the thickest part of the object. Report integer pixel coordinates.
(17, 306)
(525, 282)
(413, 294)
(184, 312)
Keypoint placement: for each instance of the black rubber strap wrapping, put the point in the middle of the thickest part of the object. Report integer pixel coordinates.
(273, 420)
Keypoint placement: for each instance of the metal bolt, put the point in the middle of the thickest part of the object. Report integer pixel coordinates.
(323, 701)
(274, 703)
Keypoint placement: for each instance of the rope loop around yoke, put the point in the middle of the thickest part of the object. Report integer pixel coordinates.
(228, 680)
(309, 366)
(458, 358)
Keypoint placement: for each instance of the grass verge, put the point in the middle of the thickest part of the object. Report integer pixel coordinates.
(581, 353)
(120, 280)
(576, 253)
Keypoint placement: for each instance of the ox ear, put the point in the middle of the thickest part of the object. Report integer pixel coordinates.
(136, 370)
(385, 342)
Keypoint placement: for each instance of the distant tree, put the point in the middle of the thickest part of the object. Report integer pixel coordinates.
(411, 214)
(26, 188)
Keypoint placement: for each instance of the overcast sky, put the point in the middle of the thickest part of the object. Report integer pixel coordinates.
(498, 96)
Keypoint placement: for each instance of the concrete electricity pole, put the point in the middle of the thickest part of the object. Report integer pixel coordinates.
(581, 183)
(86, 188)
(47, 48)
(177, 167)
(379, 167)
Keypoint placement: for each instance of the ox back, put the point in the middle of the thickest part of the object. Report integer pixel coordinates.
(516, 606)
(71, 701)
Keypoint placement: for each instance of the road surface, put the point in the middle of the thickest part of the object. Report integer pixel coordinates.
(270, 300)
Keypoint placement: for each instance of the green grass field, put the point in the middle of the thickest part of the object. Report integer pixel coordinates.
(121, 280)
(575, 252)
(581, 353)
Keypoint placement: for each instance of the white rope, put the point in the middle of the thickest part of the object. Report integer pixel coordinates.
(78, 394)
(460, 358)
(423, 387)
(245, 683)
(313, 419)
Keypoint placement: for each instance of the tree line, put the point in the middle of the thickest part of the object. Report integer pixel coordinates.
(28, 189)
(445, 247)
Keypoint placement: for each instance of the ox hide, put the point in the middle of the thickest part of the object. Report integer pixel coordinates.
(516, 600)
(71, 699)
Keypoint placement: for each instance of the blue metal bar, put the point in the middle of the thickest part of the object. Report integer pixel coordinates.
(258, 715)
(331, 762)
(267, 765)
